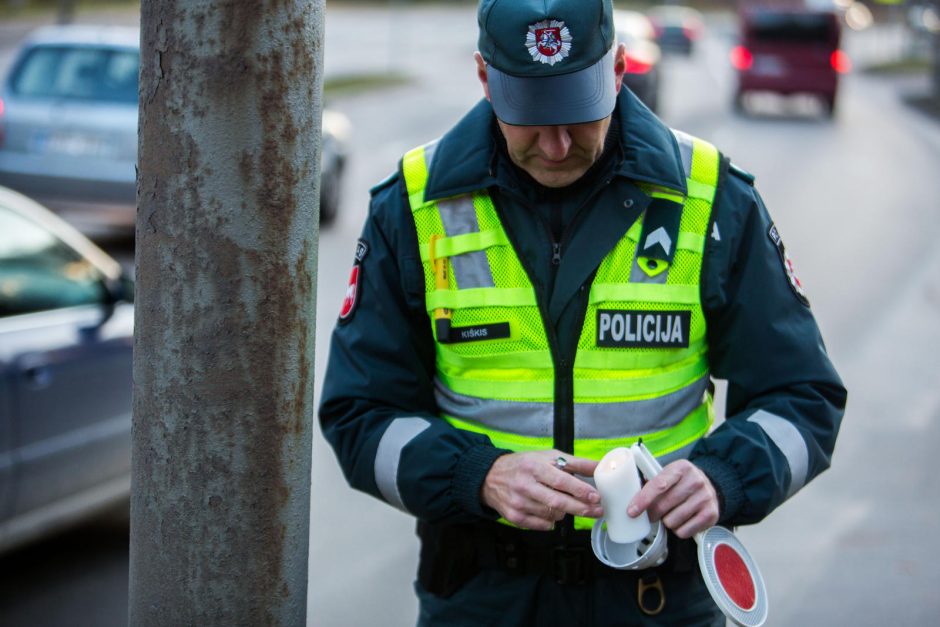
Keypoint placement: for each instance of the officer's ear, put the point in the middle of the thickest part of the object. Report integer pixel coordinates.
(481, 74)
(620, 65)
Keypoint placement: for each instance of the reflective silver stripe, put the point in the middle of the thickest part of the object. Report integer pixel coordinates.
(613, 420)
(790, 441)
(388, 456)
(591, 420)
(429, 150)
(460, 217)
(519, 417)
(685, 149)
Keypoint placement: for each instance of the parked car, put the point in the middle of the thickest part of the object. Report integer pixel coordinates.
(66, 336)
(642, 55)
(677, 27)
(334, 152)
(789, 51)
(68, 127)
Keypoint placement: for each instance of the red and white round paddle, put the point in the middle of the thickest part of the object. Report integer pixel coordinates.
(729, 571)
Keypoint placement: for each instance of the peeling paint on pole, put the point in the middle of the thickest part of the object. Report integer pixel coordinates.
(227, 231)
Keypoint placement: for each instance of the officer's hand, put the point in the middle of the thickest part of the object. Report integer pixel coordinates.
(681, 496)
(528, 490)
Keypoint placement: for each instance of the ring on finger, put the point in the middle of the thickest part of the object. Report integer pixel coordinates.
(560, 462)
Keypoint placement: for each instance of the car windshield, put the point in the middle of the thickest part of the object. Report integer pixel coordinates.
(83, 73)
(791, 27)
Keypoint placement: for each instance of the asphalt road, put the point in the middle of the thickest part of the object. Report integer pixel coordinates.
(853, 199)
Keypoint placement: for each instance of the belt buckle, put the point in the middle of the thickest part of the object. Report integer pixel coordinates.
(570, 565)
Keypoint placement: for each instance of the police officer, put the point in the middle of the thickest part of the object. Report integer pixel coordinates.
(556, 276)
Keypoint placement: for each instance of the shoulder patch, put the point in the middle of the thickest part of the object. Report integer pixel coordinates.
(354, 287)
(386, 182)
(742, 174)
(788, 268)
(362, 249)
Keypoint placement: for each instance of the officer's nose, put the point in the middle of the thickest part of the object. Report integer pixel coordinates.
(554, 142)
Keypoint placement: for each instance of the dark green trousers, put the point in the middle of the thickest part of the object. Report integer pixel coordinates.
(498, 598)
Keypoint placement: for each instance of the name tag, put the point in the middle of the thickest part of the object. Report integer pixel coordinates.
(643, 329)
(456, 335)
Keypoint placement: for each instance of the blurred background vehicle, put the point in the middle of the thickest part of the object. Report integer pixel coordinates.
(677, 27)
(66, 336)
(334, 152)
(789, 51)
(68, 127)
(642, 55)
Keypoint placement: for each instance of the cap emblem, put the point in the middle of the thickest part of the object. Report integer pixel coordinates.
(548, 41)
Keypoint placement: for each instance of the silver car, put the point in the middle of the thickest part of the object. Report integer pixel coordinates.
(68, 127)
(66, 336)
(69, 124)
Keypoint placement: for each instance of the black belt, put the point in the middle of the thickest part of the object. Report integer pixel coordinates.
(566, 557)
(568, 560)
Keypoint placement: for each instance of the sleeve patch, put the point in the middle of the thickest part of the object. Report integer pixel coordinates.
(354, 287)
(788, 268)
(362, 249)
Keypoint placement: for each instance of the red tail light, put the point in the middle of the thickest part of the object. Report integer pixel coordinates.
(840, 62)
(741, 58)
(636, 66)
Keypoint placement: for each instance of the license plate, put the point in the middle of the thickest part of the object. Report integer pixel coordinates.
(767, 66)
(70, 144)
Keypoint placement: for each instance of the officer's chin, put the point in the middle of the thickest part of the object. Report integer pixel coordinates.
(556, 177)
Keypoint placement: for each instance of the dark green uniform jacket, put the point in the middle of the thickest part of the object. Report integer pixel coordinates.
(785, 400)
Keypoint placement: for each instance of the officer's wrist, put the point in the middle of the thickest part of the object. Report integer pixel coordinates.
(727, 483)
(467, 484)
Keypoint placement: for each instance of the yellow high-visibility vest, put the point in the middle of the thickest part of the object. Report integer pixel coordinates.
(640, 369)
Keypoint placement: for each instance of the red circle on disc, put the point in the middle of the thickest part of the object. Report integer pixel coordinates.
(735, 578)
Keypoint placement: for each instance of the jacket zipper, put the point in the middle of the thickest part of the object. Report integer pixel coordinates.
(560, 365)
(563, 427)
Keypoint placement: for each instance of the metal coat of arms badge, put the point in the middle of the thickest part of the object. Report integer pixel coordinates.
(548, 41)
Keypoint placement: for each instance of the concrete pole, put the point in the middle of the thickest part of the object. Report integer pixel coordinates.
(227, 235)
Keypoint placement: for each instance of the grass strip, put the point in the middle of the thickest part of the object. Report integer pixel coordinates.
(349, 84)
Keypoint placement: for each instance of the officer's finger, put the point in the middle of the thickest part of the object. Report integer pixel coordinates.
(565, 503)
(550, 513)
(702, 520)
(677, 516)
(578, 465)
(653, 490)
(529, 514)
(680, 493)
(536, 523)
(564, 482)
